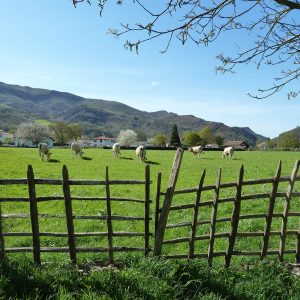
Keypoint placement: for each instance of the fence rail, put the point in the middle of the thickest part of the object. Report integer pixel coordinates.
(206, 197)
(35, 217)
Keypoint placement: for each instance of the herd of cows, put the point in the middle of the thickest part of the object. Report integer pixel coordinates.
(140, 151)
(77, 151)
(197, 150)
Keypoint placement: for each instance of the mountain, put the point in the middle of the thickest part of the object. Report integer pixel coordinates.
(19, 104)
(294, 132)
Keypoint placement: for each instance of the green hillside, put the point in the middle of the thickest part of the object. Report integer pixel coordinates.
(18, 104)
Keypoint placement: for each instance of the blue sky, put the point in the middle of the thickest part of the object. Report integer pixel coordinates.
(50, 44)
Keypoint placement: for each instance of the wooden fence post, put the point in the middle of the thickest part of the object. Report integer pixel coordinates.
(195, 217)
(270, 212)
(167, 202)
(147, 208)
(286, 209)
(34, 216)
(108, 220)
(298, 236)
(2, 245)
(157, 202)
(213, 219)
(69, 214)
(235, 218)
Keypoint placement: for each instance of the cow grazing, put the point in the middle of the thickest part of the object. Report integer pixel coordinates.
(77, 150)
(197, 150)
(141, 153)
(228, 153)
(44, 151)
(116, 150)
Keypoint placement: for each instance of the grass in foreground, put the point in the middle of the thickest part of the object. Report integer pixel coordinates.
(147, 279)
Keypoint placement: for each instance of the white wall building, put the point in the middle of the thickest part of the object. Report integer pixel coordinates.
(28, 143)
(4, 135)
(103, 141)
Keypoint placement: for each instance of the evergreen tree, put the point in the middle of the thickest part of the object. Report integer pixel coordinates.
(175, 139)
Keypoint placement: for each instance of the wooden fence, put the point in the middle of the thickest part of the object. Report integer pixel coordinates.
(162, 215)
(68, 199)
(163, 212)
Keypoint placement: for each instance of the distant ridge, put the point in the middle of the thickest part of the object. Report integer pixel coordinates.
(23, 103)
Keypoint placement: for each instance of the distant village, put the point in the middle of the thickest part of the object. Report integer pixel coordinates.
(9, 139)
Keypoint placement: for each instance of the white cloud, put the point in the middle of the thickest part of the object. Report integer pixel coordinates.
(155, 83)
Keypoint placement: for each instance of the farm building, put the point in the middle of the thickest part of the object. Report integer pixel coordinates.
(103, 141)
(238, 145)
(4, 135)
(212, 146)
(84, 141)
(28, 143)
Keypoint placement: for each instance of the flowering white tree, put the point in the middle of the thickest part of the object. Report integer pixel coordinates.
(127, 137)
(33, 131)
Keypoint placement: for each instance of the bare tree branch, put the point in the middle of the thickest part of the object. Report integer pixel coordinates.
(272, 25)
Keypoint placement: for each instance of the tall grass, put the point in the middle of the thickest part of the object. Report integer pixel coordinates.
(146, 279)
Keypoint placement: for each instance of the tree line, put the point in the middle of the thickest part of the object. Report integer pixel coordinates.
(62, 132)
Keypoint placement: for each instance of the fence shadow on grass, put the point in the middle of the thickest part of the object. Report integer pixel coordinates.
(53, 160)
(86, 158)
(152, 162)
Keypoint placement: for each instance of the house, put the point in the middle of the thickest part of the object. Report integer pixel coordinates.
(84, 141)
(28, 143)
(212, 146)
(103, 141)
(237, 145)
(5, 135)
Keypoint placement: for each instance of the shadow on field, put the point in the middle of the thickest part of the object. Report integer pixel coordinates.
(152, 162)
(53, 160)
(126, 158)
(86, 158)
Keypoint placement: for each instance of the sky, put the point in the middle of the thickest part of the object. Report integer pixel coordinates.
(50, 44)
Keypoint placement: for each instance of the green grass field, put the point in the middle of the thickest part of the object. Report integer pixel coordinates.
(257, 165)
(140, 279)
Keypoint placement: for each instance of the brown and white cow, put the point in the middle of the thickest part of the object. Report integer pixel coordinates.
(197, 150)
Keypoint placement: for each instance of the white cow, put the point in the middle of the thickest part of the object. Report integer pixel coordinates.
(77, 150)
(228, 152)
(44, 151)
(197, 150)
(116, 150)
(141, 153)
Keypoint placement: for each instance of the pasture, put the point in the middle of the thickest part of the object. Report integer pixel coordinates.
(257, 165)
(139, 278)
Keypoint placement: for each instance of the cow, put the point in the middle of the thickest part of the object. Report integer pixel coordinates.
(77, 150)
(116, 150)
(228, 152)
(197, 150)
(44, 151)
(141, 153)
